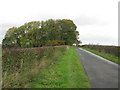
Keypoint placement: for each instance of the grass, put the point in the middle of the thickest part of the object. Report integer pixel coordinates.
(65, 72)
(0, 67)
(0, 50)
(104, 55)
(20, 66)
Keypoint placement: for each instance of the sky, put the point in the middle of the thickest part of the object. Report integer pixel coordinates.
(96, 20)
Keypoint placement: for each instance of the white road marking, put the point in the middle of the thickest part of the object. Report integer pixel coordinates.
(110, 62)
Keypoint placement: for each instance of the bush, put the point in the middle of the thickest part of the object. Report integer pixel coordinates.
(21, 65)
(112, 50)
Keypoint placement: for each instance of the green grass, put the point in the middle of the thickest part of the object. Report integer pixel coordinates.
(0, 50)
(0, 53)
(104, 55)
(0, 67)
(20, 66)
(66, 72)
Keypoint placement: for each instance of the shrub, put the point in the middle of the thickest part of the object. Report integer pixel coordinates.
(22, 65)
(112, 50)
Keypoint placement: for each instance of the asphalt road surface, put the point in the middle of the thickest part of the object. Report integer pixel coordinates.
(101, 72)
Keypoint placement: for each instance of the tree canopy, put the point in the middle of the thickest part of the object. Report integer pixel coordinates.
(44, 33)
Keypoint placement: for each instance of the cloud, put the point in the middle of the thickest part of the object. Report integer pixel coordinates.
(89, 17)
(4, 27)
(98, 39)
(8, 25)
(84, 20)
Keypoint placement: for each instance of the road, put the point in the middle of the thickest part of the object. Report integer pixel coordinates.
(101, 72)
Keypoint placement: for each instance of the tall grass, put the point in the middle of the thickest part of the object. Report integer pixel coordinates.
(0, 67)
(65, 72)
(22, 65)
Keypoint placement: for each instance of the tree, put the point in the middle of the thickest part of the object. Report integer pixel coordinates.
(78, 42)
(11, 38)
(37, 34)
(68, 29)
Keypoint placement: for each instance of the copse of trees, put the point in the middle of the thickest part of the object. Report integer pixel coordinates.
(44, 33)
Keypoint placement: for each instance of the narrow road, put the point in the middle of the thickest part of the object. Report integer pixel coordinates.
(101, 72)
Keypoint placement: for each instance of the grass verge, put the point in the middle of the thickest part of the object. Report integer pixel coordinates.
(104, 55)
(20, 66)
(65, 72)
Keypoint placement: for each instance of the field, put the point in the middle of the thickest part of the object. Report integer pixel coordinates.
(46, 67)
(109, 52)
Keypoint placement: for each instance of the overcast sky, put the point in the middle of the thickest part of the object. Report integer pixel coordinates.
(96, 20)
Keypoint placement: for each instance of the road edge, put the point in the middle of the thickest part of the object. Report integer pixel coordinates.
(110, 62)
